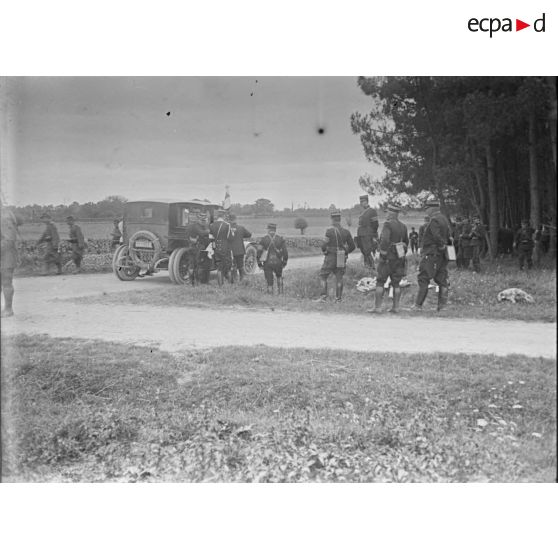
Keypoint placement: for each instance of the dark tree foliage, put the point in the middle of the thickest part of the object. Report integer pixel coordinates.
(484, 145)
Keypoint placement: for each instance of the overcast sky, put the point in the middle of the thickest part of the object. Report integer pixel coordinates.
(82, 139)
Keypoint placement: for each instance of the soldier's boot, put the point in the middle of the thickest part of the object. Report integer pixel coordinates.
(323, 295)
(396, 299)
(338, 292)
(421, 297)
(270, 289)
(58, 268)
(220, 278)
(378, 298)
(442, 298)
(280, 285)
(8, 299)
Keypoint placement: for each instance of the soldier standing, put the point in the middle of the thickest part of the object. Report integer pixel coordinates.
(77, 241)
(8, 257)
(524, 245)
(239, 233)
(434, 263)
(422, 228)
(51, 240)
(221, 232)
(367, 231)
(414, 240)
(477, 241)
(273, 256)
(393, 249)
(465, 248)
(336, 247)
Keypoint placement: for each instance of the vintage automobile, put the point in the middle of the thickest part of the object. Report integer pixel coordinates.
(155, 238)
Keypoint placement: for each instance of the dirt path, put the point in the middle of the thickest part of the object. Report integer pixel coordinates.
(44, 305)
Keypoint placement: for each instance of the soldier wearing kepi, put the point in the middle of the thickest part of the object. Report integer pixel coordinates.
(77, 242)
(393, 249)
(239, 233)
(272, 256)
(433, 262)
(524, 245)
(367, 231)
(337, 245)
(51, 240)
(8, 257)
(221, 232)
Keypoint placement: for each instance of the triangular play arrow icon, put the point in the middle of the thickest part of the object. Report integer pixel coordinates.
(519, 25)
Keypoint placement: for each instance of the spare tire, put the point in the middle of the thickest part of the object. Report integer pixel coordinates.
(145, 249)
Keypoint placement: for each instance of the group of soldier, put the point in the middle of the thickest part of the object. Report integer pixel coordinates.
(50, 242)
(227, 238)
(392, 244)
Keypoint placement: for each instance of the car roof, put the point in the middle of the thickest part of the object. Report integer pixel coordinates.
(174, 200)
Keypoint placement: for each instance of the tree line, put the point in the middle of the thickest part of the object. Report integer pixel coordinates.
(485, 146)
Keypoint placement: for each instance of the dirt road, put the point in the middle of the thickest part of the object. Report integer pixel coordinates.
(44, 305)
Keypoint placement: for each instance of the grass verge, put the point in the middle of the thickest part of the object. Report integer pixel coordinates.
(91, 411)
(471, 295)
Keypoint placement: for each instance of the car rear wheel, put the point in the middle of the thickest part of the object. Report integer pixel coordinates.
(123, 266)
(179, 271)
(251, 260)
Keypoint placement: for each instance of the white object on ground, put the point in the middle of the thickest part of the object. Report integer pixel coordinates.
(514, 295)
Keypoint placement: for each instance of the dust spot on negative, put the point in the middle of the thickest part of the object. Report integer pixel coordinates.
(168, 113)
(251, 94)
(321, 131)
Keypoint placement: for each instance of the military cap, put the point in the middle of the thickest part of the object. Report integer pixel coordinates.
(364, 197)
(45, 216)
(70, 218)
(272, 226)
(393, 207)
(335, 215)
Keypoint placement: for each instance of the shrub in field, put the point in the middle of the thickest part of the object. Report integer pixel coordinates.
(98, 256)
(301, 224)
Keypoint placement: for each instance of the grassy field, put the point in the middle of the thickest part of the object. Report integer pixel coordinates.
(471, 295)
(256, 225)
(91, 411)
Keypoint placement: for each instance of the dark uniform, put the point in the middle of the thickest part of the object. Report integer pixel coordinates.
(8, 257)
(414, 240)
(464, 244)
(337, 240)
(477, 242)
(367, 232)
(221, 232)
(77, 242)
(239, 233)
(198, 261)
(273, 249)
(51, 240)
(392, 264)
(434, 263)
(524, 245)
(422, 228)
